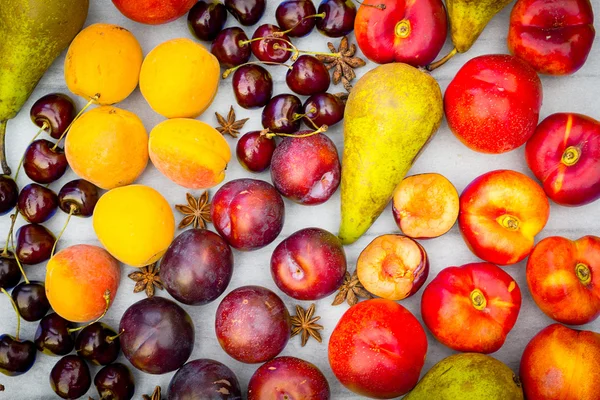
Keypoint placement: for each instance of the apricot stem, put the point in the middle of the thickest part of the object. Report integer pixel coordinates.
(403, 29)
(89, 103)
(441, 61)
(231, 70)
(270, 135)
(71, 211)
(478, 299)
(106, 297)
(509, 222)
(571, 156)
(42, 129)
(16, 311)
(13, 219)
(583, 273)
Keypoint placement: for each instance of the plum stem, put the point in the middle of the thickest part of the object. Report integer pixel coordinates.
(42, 129)
(478, 299)
(231, 70)
(89, 103)
(583, 273)
(441, 61)
(5, 168)
(16, 311)
(71, 211)
(106, 298)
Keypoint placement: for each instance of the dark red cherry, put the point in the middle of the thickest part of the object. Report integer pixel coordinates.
(247, 12)
(252, 86)
(70, 378)
(231, 47)
(308, 76)
(16, 356)
(282, 114)
(9, 192)
(56, 111)
(115, 382)
(34, 244)
(44, 164)
(98, 343)
(206, 19)
(339, 17)
(254, 151)
(272, 48)
(37, 203)
(10, 274)
(78, 197)
(31, 300)
(53, 336)
(323, 109)
(294, 16)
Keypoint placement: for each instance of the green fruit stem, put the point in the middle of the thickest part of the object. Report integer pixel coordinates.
(42, 129)
(16, 311)
(441, 61)
(5, 168)
(106, 297)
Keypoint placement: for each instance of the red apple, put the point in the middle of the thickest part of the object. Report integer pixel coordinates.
(481, 296)
(564, 154)
(154, 12)
(561, 363)
(309, 265)
(411, 32)
(500, 214)
(554, 37)
(564, 278)
(378, 349)
(493, 103)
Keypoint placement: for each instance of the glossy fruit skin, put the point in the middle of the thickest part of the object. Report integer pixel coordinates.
(79, 197)
(206, 19)
(159, 351)
(308, 76)
(97, 344)
(500, 213)
(479, 295)
(56, 111)
(37, 203)
(226, 47)
(31, 300)
(247, 12)
(307, 169)
(281, 114)
(290, 14)
(9, 193)
(34, 244)
(204, 379)
(339, 17)
(564, 154)
(53, 337)
(10, 274)
(561, 363)
(70, 378)
(323, 109)
(493, 103)
(564, 278)
(378, 349)
(553, 37)
(42, 164)
(115, 382)
(248, 213)
(16, 356)
(405, 31)
(252, 324)
(152, 12)
(254, 151)
(197, 267)
(252, 86)
(288, 377)
(270, 49)
(310, 264)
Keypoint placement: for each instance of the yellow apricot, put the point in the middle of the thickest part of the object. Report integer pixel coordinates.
(179, 78)
(135, 224)
(107, 146)
(103, 60)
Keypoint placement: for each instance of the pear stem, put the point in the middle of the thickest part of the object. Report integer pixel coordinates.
(16, 311)
(5, 168)
(89, 103)
(106, 297)
(42, 129)
(441, 61)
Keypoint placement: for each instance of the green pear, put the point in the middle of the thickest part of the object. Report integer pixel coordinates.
(468, 376)
(33, 33)
(391, 113)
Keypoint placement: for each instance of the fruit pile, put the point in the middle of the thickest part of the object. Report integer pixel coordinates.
(378, 347)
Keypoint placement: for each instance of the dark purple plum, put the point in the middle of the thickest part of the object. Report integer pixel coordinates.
(231, 47)
(53, 335)
(197, 267)
(44, 164)
(283, 114)
(254, 151)
(31, 300)
(271, 48)
(206, 19)
(296, 17)
(247, 12)
(158, 335)
(339, 17)
(323, 109)
(9, 193)
(98, 343)
(204, 379)
(252, 324)
(308, 76)
(16, 356)
(252, 86)
(70, 377)
(115, 382)
(78, 197)
(37, 203)
(10, 274)
(34, 244)
(54, 113)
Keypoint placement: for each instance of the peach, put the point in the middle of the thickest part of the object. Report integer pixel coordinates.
(77, 279)
(425, 206)
(191, 153)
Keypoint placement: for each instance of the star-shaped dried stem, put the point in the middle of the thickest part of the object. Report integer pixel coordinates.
(305, 325)
(342, 62)
(154, 396)
(230, 126)
(196, 212)
(351, 291)
(147, 278)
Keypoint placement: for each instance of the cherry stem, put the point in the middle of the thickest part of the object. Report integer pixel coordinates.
(22, 269)
(89, 103)
(297, 116)
(106, 298)
(16, 311)
(5, 168)
(231, 70)
(321, 15)
(270, 135)
(71, 211)
(42, 129)
(441, 61)
(295, 50)
(13, 219)
(377, 6)
(110, 339)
